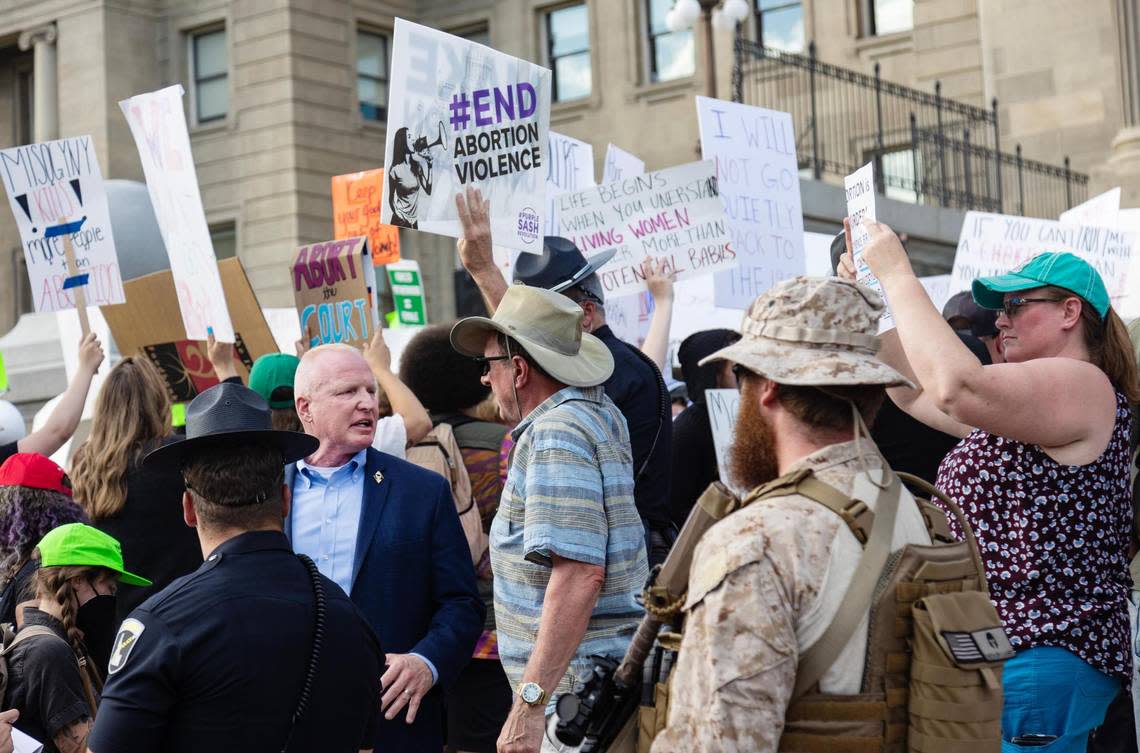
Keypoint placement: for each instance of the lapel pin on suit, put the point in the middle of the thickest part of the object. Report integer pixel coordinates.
(378, 477)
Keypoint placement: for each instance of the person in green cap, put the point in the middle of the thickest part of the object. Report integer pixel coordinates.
(1041, 473)
(52, 679)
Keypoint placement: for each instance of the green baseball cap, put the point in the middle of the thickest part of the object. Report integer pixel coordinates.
(1061, 270)
(271, 372)
(79, 545)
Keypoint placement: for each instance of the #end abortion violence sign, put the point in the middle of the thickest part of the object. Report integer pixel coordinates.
(461, 114)
(758, 176)
(332, 292)
(674, 215)
(993, 244)
(54, 184)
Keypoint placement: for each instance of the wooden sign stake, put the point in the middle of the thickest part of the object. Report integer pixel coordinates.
(79, 291)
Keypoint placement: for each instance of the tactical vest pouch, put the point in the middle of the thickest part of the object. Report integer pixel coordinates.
(955, 699)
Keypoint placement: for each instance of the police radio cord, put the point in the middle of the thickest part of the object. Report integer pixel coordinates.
(315, 652)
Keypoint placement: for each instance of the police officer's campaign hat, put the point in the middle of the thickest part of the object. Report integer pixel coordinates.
(560, 265)
(227, 412)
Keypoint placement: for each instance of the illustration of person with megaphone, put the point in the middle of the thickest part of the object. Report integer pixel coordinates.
(409, 174)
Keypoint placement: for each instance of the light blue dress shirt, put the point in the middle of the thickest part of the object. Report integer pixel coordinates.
(327, 504)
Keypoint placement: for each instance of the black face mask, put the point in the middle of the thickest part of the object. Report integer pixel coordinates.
(97, 620)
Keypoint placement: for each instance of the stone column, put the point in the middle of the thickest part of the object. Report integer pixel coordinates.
(1126, 145)
(45, 82)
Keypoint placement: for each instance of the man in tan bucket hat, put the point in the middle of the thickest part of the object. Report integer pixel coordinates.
(567, 544)
(768, 580)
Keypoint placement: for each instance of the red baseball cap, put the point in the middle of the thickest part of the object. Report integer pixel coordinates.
(34, 471)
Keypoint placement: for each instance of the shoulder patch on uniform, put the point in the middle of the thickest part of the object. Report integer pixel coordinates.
(125, 642)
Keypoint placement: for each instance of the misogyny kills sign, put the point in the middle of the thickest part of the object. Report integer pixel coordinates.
(755, 154)
(461, 114)
(674, 215)
(993, 244)
(331, 290)
(54, 183)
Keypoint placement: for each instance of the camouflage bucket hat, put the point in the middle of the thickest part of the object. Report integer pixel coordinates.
(813, 332)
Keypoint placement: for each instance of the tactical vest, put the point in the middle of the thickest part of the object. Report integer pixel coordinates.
(935, 645)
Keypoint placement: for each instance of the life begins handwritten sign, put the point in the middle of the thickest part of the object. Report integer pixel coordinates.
(332, 292)
(54, 183)
(674, 215)
(356, 212)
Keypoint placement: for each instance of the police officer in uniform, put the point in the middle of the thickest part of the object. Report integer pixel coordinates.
(255, 651)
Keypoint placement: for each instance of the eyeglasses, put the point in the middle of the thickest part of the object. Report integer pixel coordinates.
(486, 361)
(1011, 305)
(740, 372)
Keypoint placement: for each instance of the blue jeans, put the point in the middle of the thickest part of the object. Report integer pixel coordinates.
(1051, 691)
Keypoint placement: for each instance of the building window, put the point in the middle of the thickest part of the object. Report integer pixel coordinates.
(780, 25)
(223, 236)
(671, 53)
(480, 35)
(889, 16)
(372, 74)
(25, 108)
(897, 168)
(209, 62)
(568, 51)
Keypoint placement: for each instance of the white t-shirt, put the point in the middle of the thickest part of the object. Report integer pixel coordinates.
(391, 436)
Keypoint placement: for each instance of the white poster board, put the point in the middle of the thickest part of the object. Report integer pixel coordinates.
(755, 154)
(158, 125)
(621, 164)
(673, 215)
(860, 189)
(723, 406)
(59, 183)
(1103, 210)
(938, 288)
(461, 114)
(993, 244)
(569, 168)
(817, 255)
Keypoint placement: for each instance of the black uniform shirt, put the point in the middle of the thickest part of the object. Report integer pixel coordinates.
(216, 661)
(637, 389)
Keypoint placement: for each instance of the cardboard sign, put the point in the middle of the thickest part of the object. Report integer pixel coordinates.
(860, 189)
(159, 128)
(1102, 210)
(356, 212)
(461, 114)
(148, 324)
(755, 154)
(56, 192)
(570, 168)
(993, 244)
(408, 292)
(674, 215)
(621, 164)
(332, 288)
(723, 406)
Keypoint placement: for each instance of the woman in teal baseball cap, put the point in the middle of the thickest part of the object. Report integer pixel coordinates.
(1041, 473)
(53, 678)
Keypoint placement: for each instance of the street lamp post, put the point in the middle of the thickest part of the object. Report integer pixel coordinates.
(716, 13)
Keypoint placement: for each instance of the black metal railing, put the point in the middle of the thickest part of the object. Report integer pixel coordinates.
(927, 148)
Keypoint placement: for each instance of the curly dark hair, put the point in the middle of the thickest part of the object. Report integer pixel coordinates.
(26, 515)
(444, 381)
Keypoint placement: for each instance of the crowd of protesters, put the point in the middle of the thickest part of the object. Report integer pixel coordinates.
(489, 516)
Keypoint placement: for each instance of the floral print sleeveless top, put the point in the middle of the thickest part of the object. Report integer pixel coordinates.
(1054, 541)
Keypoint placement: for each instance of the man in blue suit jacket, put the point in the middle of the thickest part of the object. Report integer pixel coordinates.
(387, 532)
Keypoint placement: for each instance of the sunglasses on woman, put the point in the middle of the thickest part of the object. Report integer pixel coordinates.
(1011, 306)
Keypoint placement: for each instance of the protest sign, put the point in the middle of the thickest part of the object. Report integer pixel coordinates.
(158, 125)
(148, 324)
(57, 196)
(569, 168)
(755, 153)
(722, 406)
(620, 164)
(406, 281)
(3, 375)
(356, 212)
(993, 244)
(817, 255)
(285, 326)
(674, 215)
(397, 340)
(332, 291)
(1102, 210)
(860, 189)
(938, 288)
(461, 114)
